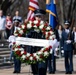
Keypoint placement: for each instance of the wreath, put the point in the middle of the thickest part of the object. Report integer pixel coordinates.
(40, 55)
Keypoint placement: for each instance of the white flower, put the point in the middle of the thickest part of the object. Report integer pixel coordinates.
(22, 52)
(42, 49)
(21, 49)
(18, 28)
(16, 49)
(42, 22)
(23, 57)
(23, 26)
(15, 34)
(41, 26)
(35, 54)
(21, 31)
(48, 28)
(37, 57)
(37, 30)
(52, 37)
(31, 58)
(35, 22)
(35, 26)
(28, 54)
(46, 34)
(40, 52)
(46, 53)
(30, 22)
(51, 32)
(29, 26)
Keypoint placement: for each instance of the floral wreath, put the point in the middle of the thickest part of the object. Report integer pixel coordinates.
(40, 55)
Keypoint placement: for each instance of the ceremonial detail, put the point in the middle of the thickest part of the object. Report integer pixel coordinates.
(40, 55)
(38, 26)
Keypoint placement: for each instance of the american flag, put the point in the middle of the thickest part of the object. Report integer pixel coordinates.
(33, 5)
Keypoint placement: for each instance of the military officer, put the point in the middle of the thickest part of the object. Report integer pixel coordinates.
(42, 67)
(68, 48)
(52, 57)
(17, 62)
(38, 68)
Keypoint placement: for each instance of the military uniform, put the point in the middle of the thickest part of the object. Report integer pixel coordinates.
(40, 67)
(52, 63)
(17, 62)
(52, 58)
(68, 49)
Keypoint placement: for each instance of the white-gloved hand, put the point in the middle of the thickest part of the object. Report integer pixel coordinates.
(51, 51)
(68, 41)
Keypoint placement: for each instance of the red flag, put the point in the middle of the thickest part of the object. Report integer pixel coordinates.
(33, 5)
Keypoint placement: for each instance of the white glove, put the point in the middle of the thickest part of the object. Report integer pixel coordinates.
(51, 51)
(68, 41)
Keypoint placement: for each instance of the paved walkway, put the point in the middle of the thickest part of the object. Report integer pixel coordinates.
(25, 70)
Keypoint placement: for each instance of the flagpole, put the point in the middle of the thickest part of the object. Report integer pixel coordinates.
(51, 9)
(49, 18)
(54, 1)
(47, 1)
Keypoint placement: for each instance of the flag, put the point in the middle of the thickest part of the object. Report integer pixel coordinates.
(33, 5)
(51, 9)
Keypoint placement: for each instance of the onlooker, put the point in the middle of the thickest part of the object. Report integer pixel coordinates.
(17, 17)
(74, 29)
(60, 29)
(8, 25)
(74, 39)
(2, 25)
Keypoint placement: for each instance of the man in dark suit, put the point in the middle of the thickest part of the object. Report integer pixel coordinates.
(68, 48)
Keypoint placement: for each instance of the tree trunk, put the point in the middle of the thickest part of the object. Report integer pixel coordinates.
(62, 14)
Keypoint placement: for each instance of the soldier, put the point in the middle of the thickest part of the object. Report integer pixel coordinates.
(40, 67)
(17, 62)
(68, 48)
(52, 56)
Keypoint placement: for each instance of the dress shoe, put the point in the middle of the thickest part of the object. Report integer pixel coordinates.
(15, 72)
(53, 72)
(67, 73)
(50, 72)
(18, 72)
(70, 72)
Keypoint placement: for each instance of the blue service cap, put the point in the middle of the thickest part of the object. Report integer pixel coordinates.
(39, 12)
(16, 20)
(66, 22)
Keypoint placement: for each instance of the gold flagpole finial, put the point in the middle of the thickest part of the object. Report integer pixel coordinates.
(47, 1)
